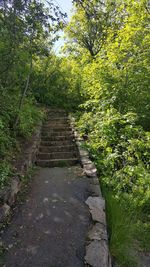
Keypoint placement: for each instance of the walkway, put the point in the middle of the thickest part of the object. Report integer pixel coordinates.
(50, 228)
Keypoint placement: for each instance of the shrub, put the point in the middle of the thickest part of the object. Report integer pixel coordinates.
(5, 138)
(29, 117)
(121, 151)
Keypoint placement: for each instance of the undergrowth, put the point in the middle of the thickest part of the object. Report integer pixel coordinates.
(121, 151)
(29, 117)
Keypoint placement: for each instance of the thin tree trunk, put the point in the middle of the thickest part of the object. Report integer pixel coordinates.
(23, 95)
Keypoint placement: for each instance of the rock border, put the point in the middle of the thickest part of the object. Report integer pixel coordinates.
(9, 194)
(97, 249)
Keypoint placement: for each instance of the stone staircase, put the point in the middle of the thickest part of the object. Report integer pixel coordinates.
(57, 147)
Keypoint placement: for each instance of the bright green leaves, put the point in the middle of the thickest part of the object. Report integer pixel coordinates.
(121, 152)
(115, 85)
(89, 25)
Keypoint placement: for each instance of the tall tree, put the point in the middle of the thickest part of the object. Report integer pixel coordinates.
(90, 23)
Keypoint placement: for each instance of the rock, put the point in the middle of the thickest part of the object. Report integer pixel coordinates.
(97, 206)
(90, 173)
(90, 166)
(79, 143)
(98, 232)
(4, 212)
(76, 134)
(97, 254)
(96, 202)
(90, 169)
(83, 152)
(95, 190)
(84, 160)
(15, 188)
(4, 195)
(79, 138)
(94, 181)
(98, 216)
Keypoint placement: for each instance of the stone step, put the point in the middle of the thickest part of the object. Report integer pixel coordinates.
(57, 138)
(50, 149)
(56, 111)
(56, 126)
(56, 129)
(57, 162)
(57, 143)
(53, 133)
(57, 115)
(57, 119)
(56, 155)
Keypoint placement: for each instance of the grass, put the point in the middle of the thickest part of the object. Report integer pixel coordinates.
(121, 222)
(142, 235)
(129, 231)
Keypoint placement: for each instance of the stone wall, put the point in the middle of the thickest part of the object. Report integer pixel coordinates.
(97, 249)
(26, 160)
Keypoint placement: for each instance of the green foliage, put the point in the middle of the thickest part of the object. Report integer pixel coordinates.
(121, 152)
(121, 228)
(142, 234)
(89, 25)
(5, 172)
(115, 123)
(119, 74)
(56, 83)
(29, 117)
(5, 139)
(28, 30)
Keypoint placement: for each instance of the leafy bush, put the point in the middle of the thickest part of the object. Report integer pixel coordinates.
(29, 117)
(5, 138)
(121, 151)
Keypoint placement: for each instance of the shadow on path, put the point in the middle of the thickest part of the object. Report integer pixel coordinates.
(51, 226)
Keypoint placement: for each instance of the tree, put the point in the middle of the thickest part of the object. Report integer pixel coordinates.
(28, 30)
(90, 24)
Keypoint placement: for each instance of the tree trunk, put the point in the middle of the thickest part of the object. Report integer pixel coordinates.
(23, 95)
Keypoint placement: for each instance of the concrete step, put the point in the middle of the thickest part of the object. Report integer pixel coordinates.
(57, 162)
(50, 149)
(53, 133)
(57, 138)
(56, 155)
(57, 143)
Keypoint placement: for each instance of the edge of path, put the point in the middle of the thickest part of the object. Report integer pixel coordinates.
(97, 248)
(22, 165)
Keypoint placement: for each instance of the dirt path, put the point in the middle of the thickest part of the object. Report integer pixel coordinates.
(51, 226)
